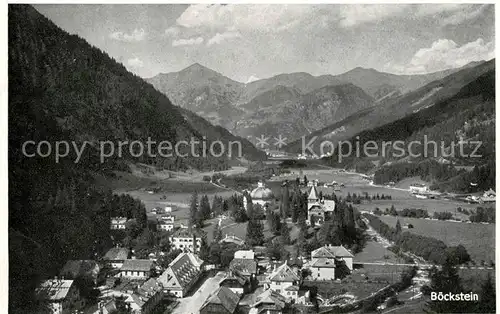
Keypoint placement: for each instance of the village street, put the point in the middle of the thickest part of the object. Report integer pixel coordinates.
(193, 303)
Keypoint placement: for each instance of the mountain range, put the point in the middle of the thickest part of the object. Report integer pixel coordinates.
(265, 105)
(420, 100)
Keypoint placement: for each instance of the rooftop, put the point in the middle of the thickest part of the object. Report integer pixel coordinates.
(54, 289)
(188, 233)
(271, 297)
(185, 267)
(117, 253)
(284, 274)
(330, 251)
(244, 265)
(224, 297)
(137, 265)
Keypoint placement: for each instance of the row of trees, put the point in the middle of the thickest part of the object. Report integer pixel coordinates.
(407, 212)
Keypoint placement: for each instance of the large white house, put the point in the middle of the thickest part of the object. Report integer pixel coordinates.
(181, 274)
(323, 261)
(186, 239)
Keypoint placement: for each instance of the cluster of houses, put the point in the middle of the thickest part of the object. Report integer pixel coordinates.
(248, 283)
(257, 285)
(487, 197)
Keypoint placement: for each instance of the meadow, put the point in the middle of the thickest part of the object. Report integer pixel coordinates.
(478, 239)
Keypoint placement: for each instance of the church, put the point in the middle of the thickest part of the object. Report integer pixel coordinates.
(318, 209)
(260, 195)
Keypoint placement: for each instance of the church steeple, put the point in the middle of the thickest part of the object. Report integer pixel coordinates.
(313, 195)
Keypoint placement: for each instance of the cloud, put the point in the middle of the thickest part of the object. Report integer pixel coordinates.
(135, 36)
(277, 18)
(135, 62)
(187, 42)
(220, 37)
(351, 15)
(445, 54)
(172, 31)
(258, 17)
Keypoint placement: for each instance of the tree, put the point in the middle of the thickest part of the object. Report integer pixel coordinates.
(398, 227)
(488, 297)
(285, 201)
(205, 207)
(302, 243)
(166, 259)
(458, 255)
(215, 254)
(204, 250)
(285, 233)
(255, 232)
(305, 180)
(217, 233)
(217, 205)
(193, 210)
(446, 280)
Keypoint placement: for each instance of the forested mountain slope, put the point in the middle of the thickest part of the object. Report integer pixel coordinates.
(63, 89)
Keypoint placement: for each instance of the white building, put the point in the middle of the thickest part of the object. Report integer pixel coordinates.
(166, 223)
(284, 281)
(244, 254)
(181, 274)
(136, 268)
(418, 188)
(188, 240)
(118, 223)
(326, 256)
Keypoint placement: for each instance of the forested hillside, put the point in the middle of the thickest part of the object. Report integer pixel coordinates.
(457, 125)
(63, 89)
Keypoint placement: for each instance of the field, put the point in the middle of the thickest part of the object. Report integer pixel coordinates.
(375, 252)
(478, 239)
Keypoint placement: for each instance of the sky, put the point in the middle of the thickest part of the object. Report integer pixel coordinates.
(247, 42)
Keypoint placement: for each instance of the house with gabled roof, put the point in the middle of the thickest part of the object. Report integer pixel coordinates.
(223, 301)
(270, 302)
(136, 268)
(181, 274)
(116, 256)
(236, 282)
(60, 295)
(333, 253)
(285, 281)
(146, 298)
(244, 266)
